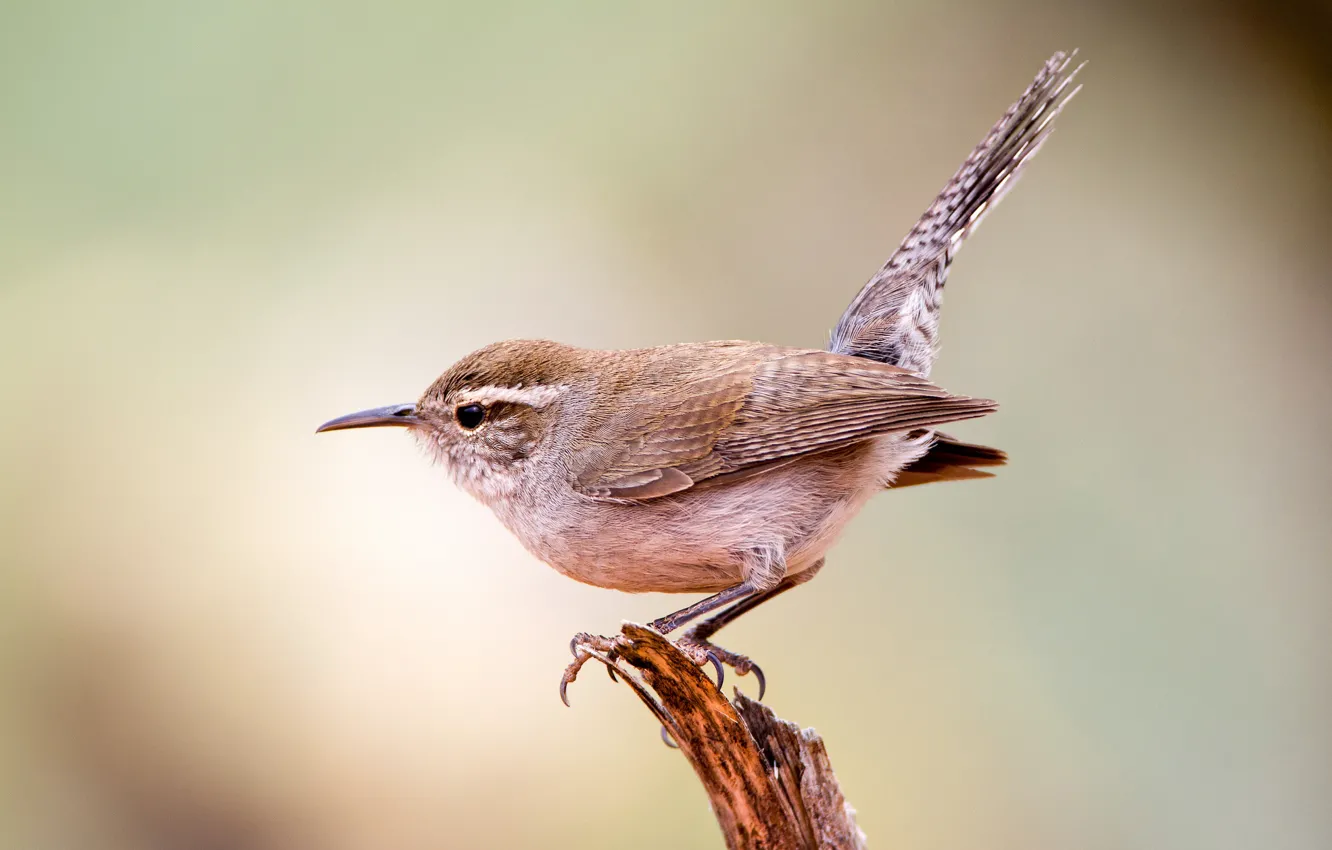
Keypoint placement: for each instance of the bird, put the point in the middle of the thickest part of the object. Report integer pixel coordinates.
(726, 468)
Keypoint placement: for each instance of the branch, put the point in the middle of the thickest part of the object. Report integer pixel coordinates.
(770, 783)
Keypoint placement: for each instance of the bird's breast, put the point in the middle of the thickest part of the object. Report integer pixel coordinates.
(696, 540)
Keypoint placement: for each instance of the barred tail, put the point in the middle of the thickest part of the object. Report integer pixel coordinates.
(895, 317)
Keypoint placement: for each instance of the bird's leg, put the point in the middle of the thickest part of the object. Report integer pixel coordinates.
(716, 623)
(694, 643)
(701, 653)
(697, 638)
(584, 646)
(671, 622)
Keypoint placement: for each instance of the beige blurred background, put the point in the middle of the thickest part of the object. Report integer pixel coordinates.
(223, 223)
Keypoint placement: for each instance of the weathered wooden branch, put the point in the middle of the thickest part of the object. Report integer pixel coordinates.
(770, 783)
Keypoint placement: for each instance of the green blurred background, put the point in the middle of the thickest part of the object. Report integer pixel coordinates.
(223, 223)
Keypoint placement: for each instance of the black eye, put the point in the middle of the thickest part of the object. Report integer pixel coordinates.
(470, 416)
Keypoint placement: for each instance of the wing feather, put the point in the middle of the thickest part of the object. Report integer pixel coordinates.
(769, 406)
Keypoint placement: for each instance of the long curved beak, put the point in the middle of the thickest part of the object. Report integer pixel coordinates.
(403, 415)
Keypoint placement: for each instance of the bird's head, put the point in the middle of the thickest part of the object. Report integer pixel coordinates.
(488, 414)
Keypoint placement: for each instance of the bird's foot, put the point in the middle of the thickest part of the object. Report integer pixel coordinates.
(699, 650)
(702, 651)
(585, 646)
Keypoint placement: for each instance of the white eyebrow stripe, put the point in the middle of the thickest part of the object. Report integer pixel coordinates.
(535, 397)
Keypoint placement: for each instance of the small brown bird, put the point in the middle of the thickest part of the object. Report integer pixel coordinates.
(725, 467)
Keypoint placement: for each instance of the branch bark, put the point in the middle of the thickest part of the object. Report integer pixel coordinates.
(770, 783)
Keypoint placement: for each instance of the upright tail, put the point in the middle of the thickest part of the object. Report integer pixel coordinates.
(895, 318)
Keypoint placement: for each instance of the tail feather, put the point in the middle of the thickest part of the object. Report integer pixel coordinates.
(895, 317)
(950, 459)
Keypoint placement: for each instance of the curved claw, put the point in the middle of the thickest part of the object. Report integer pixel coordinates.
(717, 665)
(564, 692)
(762, 682)
(668, 740)
(610, 671)
(573, 646)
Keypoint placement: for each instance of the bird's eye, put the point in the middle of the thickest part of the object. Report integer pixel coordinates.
(470, 416)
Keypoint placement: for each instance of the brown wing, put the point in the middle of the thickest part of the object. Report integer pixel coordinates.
(760, 407)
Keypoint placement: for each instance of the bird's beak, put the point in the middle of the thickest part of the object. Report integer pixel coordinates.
(395, 414)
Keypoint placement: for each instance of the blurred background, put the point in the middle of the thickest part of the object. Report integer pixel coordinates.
(224, 223)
